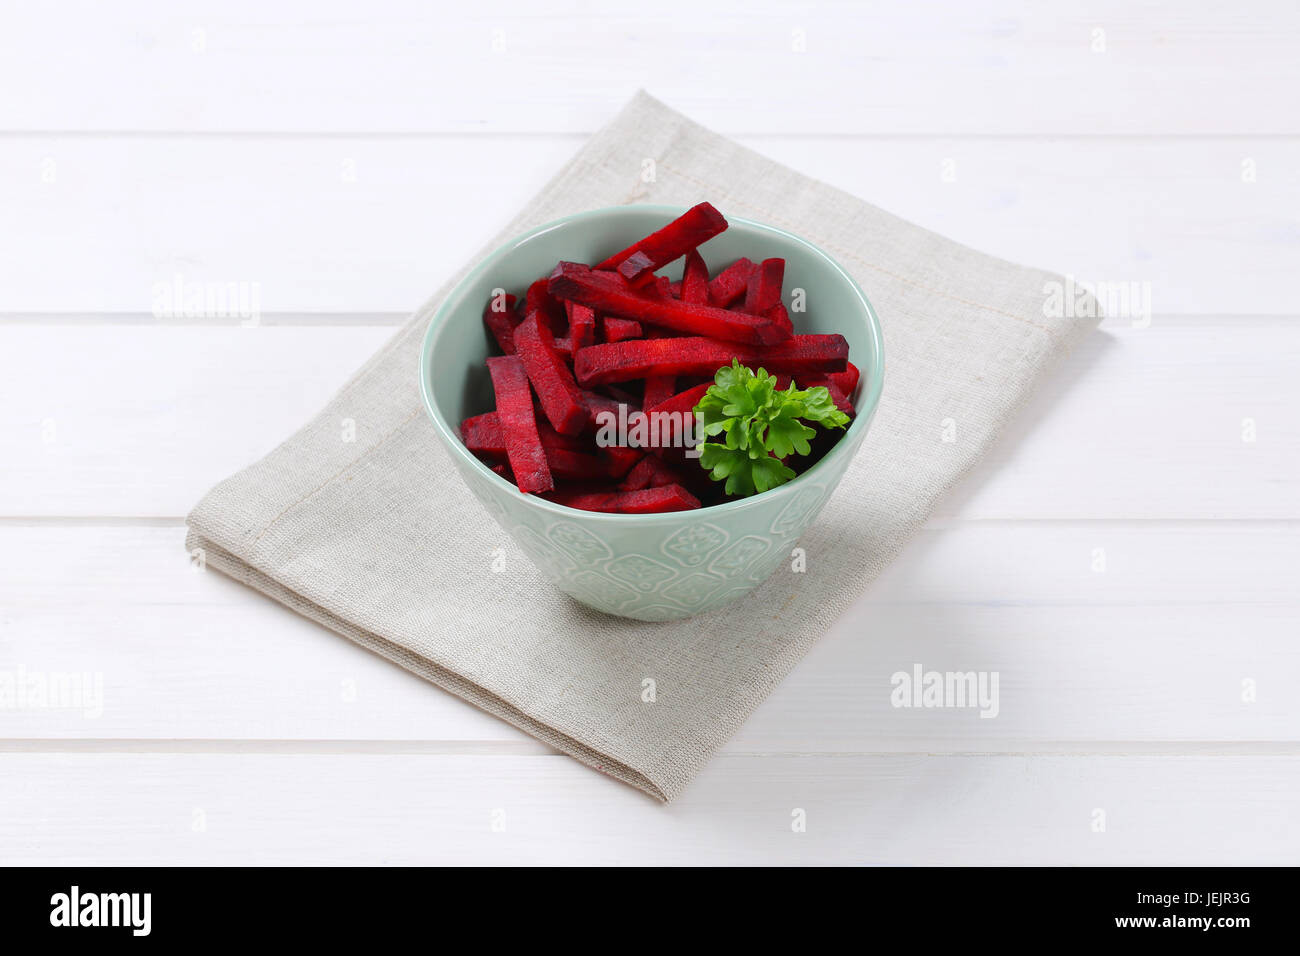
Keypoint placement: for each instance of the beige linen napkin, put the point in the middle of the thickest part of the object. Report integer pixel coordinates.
(379, 539)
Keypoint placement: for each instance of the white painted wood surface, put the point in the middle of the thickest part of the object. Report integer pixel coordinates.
(332, 223)
(348, 162)
(228, 808)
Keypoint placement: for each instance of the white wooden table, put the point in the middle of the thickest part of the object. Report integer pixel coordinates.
(1127, 559)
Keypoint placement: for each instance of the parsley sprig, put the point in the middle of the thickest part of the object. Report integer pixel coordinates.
(761, 425)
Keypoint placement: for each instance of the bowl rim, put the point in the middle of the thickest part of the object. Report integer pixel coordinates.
(450, 435)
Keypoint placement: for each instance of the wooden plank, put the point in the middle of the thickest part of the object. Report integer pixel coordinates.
(122, 420)
(316, 225)
(1180, 421)
(1105, 67)
(1186, 637)
(1139, 423)
(357, 224)
(146, 809)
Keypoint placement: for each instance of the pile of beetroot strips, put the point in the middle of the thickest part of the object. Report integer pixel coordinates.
(617, 338)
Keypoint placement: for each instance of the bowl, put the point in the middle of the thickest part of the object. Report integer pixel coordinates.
(664, 566)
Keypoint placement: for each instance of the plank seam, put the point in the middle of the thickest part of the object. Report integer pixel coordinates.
(509, 748)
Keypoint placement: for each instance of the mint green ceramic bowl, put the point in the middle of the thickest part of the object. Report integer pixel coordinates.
(649, 567)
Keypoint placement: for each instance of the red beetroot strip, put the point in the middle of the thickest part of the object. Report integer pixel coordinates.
(658, 388)
(577, 282)
(550, 375)
(568, 458)
(695, 280)
(763, 291)
(624, 361)
(781, 317)
(694, 227)
(650, 472)
(730, 284)
(669, 432)
(638, 269)
(621, 459)
(847, 380)
(515, 410)
(483, 435)
(643, 501)
(617, 330)
(582, 325)
(537, 299)
(682, 401)
(500, 319)
(595, 404)
(576, 465)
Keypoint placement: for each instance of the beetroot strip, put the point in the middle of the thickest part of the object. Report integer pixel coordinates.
(781, 316)
(730, 284)
(482, 434)
(847, 380)
(582, 325)
(697, 225)
(650, 472)
(658, 388)
(620, 459)
(695, 280)
(550, 375)
(515, 411)
(644, 501)
(764, 288)
(576, 466)
(606, 296)
(501, 323)
(638, 269)
(619, 330)
(624, 361)
(682, 401)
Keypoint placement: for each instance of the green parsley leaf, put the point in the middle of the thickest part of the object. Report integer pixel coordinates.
(760, 426)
